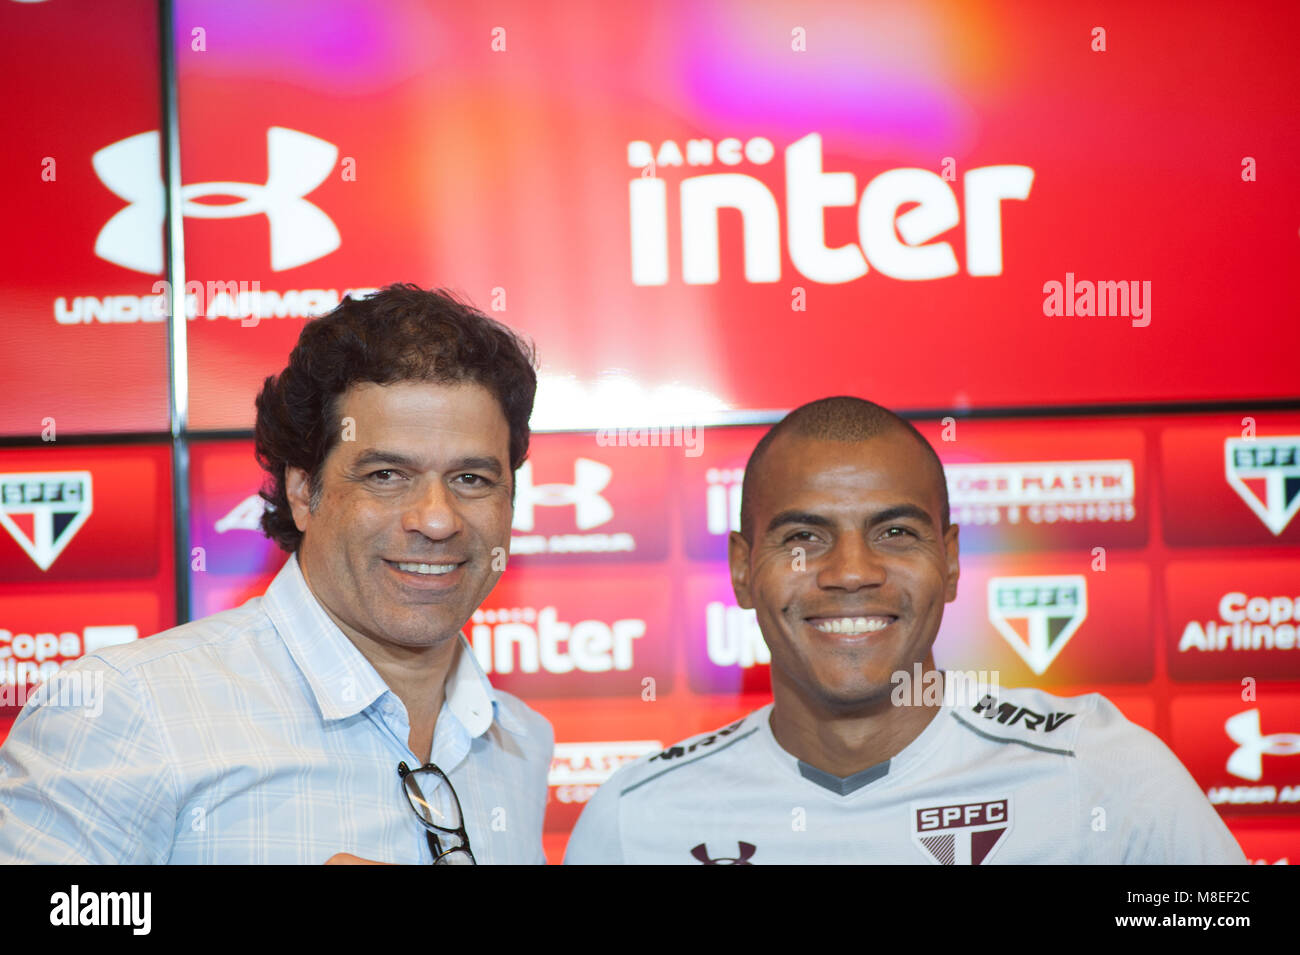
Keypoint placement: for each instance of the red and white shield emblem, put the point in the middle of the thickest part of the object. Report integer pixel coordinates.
(961, 831)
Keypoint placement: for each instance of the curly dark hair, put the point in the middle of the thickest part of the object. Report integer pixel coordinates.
(401, 333)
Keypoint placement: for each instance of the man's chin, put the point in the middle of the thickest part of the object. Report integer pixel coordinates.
(856, 700)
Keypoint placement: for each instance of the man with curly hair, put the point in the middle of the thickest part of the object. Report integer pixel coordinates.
(341, 716)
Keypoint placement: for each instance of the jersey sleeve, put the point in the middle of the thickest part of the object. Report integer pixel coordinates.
(596, 839)
(1150, 805)
(86, 783)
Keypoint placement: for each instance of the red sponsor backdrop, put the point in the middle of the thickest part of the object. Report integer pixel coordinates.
(650, 645)
(98, 567)
(77, 367)
(702, 213)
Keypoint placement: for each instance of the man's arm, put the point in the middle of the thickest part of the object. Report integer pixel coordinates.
(84, 777)
(595, 839)
(1157, 809)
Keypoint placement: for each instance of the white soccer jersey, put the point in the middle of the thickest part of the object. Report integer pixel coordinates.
(1020, 777)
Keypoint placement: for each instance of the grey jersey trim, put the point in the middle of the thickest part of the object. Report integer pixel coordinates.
(843, 785)
(1003, 739)
(690, 762)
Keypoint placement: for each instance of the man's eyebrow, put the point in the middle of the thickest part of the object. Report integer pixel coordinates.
(373, 456)
(895, 513)
(798, 517)
(901, 512)
(487, 463)
(377, 456)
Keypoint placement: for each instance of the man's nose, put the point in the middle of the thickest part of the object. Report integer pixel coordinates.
(431, 510)
(851, 564)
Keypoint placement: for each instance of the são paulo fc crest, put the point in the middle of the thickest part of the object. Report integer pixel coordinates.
(961, 831)
(1038, 615)
(1265, 473)
(43, 510)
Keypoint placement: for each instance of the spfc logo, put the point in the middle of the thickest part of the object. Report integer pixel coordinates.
(1265, 472)
(961, 832)
(42, 511)
(1038, 615)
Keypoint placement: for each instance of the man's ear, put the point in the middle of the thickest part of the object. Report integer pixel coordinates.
(297, 486)
(738, 557)
(954, 568)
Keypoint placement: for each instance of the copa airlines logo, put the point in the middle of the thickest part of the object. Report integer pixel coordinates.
(809, 192)
(1038, 615)
(539, 640)
(961, 832)
(27, 658)
(1247, 760)
(1254, 623)
(43, 510)
(1265, 473)
(297, 163)
(1045, 492)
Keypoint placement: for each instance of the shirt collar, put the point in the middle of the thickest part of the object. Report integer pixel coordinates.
(342, 680)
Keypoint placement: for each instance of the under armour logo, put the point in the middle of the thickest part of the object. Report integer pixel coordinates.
(296, 164)
(590, 509)
(746, 853)
(1247, 760)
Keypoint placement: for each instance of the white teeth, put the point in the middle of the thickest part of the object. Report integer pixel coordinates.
(853, 625)
(427, 568)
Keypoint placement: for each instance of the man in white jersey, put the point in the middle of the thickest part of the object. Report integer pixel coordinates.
(847, 556)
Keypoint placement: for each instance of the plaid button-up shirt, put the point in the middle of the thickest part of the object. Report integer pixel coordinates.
(259, 735)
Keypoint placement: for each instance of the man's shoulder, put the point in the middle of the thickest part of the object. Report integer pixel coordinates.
(1088, 726)
(695, 751)
(182, 643)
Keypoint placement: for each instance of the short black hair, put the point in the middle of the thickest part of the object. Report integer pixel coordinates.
(842, 418)
(401, 333)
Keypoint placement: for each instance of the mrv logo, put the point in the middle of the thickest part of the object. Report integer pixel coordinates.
(809, 192)
(43, 510)
(1265, 473)
(296, 165)
(1038, 615)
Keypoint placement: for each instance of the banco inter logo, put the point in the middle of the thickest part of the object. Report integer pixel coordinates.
(1265, 473)
(297, 164)
(1038, 615)
(43, 510)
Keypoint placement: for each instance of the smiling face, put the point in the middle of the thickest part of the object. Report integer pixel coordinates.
(863, 595)
(399, 546)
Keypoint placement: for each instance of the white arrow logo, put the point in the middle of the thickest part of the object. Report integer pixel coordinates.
(296, 162)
